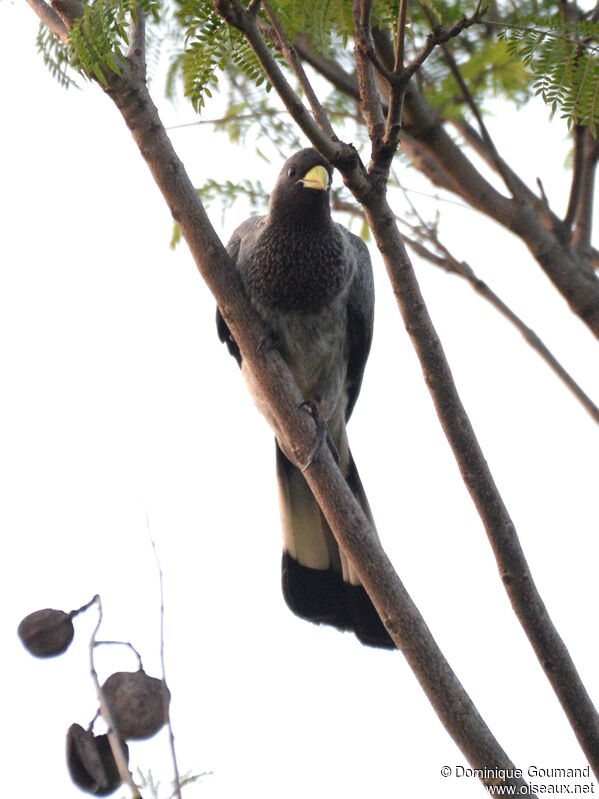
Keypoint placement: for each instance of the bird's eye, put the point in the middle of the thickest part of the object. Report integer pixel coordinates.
(291, 172)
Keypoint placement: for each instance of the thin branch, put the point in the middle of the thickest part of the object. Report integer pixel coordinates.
(235, 14)
(176, 775)
(439, 36)
(583, 223)
(369, 95)
(452, 265)
(514, 185)
(137, 47)
(51, 19)
(126, 644)
(343, 81)
(486, 149)
(578, 136)
(228, 118)
(320, 114)
(401, 37)
(113, 737)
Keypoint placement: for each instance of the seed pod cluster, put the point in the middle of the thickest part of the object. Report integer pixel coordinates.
(136, 703)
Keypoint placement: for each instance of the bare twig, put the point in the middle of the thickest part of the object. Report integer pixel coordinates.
(401, 37)
(171, 736)
(583, 221)
(439, 36)
(369, 95)
(518, 188)
(578, 136)
(320, 114)
(509, 178)
(113, 736)
(235, 14)
(452, 265)
(126, 644)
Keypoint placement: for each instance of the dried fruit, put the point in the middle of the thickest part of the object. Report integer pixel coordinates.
(91, 763)
(47, 632)
(138, 704)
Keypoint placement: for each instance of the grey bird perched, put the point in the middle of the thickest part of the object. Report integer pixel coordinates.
(311, 281)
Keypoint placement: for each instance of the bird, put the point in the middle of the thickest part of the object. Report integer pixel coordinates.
(311, 281)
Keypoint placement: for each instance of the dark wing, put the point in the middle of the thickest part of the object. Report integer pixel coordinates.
(360, 317)
(242, 236)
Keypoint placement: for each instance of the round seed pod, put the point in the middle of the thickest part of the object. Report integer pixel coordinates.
(91, 763)
(47, 632)
(137, 703)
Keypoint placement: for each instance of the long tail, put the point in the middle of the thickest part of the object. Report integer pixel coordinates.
(319, 583)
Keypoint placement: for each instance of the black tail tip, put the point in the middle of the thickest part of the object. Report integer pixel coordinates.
(321, 596)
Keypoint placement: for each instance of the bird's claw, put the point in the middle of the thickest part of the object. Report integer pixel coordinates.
(323, 434)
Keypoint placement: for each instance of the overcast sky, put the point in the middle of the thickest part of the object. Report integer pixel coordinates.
(118, 402)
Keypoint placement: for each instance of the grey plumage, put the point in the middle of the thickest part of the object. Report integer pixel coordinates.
(311, 281)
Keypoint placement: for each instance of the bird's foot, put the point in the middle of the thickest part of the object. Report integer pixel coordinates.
(323, 434)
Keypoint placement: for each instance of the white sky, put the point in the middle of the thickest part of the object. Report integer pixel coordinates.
(118, 400)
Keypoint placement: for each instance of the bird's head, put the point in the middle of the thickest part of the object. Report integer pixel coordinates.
(303, 186)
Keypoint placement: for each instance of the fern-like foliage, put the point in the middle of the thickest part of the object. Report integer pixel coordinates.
(564, 59)
(210, 47)
(55, 55)
(98, 38)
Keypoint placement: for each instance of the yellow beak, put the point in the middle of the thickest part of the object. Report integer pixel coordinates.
(316, 178)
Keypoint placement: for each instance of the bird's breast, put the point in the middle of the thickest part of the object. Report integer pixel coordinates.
(315, 348)
(296, 268)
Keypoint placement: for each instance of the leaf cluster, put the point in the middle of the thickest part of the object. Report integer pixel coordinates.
(564, 59)
(55, 55)
(210, 48)
(98, 38)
